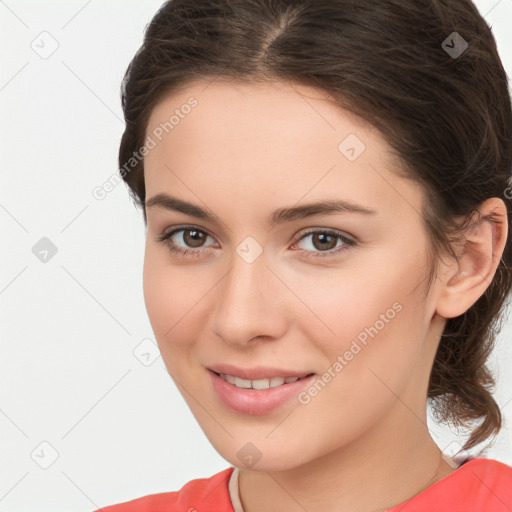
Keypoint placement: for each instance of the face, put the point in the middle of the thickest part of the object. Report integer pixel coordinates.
(339, 294)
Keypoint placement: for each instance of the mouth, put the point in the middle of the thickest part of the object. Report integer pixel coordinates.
(260, 384)
(261, 396)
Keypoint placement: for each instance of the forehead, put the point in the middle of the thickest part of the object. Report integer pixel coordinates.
(256, 141)
(225, 107)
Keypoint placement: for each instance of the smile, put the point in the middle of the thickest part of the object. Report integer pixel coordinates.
(259, 383)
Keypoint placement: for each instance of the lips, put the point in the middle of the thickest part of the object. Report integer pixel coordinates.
(257, 401)
(257, 372)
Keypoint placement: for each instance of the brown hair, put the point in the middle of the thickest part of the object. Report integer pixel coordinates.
(447, 118)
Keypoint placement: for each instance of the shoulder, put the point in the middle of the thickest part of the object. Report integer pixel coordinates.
(489, 467)
(490, 478)
(202, 494)
(478, 485)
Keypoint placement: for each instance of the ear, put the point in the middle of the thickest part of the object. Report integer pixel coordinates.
(467, 279)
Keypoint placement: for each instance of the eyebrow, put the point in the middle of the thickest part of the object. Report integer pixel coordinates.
(278, 216)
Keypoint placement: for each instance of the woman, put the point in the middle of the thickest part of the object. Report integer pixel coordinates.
(325, 189)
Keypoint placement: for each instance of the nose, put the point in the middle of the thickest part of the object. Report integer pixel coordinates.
(251, 301)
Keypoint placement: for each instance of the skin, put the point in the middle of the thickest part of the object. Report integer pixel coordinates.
(362, 443)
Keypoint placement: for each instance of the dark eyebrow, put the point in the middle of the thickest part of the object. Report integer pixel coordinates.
(279, 216)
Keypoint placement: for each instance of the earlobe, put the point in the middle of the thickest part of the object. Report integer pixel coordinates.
(467, 279)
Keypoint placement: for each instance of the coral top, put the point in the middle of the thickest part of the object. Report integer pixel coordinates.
(478, 485)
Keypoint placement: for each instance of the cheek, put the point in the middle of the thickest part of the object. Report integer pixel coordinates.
(164, 294)
(366, 324)
(337, 307)
(174, 298)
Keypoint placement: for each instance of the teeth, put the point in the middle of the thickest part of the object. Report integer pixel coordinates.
(242, 383)
(259, 383)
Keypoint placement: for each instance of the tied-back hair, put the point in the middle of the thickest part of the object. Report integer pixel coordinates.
(447, 119)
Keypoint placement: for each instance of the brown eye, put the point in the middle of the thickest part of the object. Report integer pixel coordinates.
(325, 243)
(191, 240)
(193, 237)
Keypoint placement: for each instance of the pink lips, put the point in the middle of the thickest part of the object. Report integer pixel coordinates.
(257, 401)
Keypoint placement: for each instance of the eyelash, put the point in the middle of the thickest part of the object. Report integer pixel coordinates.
(173, 248)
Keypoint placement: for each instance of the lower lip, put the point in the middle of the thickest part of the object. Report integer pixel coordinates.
(257, 401)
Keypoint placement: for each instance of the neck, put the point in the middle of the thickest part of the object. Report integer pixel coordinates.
(382, 469)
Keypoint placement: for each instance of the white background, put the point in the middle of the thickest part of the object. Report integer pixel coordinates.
(69, 327)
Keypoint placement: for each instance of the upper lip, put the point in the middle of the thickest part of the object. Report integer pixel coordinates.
(256, 372)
